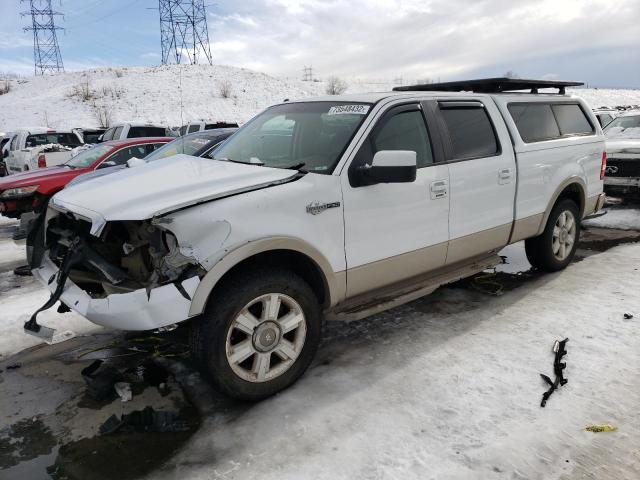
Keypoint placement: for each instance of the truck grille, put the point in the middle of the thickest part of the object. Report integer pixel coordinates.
(623, 167)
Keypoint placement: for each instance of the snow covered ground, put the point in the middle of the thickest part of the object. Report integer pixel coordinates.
(447, 387)
(177, 94)
(617, 217)
(20, 296)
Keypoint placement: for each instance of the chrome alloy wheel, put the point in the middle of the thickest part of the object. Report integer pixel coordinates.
(266, 337)
(564, 235)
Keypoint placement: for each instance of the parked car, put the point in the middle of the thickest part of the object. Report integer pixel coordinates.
(340, 206)
(40, 147)
(126, 130)
(605, 115)
(91, 135)
(622, 178)
(23, 195)
(198, 144)
(201, 126)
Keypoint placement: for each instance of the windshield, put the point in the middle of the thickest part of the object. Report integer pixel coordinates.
(624, 127)
(86, 158)
(187, 145)
(313, 134)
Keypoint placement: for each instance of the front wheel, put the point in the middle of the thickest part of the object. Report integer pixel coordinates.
(259, 333)
(555, 248)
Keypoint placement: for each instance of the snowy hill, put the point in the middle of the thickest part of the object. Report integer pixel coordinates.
(154, 94)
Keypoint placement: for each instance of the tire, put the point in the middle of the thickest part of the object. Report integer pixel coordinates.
(251, 315)
(555, 248)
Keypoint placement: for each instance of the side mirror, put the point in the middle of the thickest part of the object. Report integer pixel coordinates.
(390, 166)
(107, 164)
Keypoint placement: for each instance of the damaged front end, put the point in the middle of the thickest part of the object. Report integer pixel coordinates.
(131, 275)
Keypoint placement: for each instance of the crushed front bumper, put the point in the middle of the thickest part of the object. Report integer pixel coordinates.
(124, 311)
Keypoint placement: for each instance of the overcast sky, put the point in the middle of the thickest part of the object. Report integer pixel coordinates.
(596, 41)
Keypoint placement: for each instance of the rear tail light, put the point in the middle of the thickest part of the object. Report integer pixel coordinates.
(603, 167)
(42, 161)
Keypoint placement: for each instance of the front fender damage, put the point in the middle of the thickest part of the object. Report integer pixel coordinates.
(128, 270)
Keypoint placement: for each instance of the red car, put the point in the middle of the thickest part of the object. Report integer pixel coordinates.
(26, 192)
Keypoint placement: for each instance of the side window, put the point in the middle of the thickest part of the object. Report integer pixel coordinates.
(470, 131)
(572, 120)
(121, 156)
(151, 147)
(108, 135)
(535, 121)
(604, 119)
(183, 130)
(193, 128)
(14, 143)
(404, 131)
(118, 132)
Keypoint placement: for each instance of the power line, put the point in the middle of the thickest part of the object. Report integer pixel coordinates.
(46, 51)
(183, 30)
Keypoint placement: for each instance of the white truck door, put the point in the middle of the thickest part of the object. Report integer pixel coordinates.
(395, 231)
(483, 176)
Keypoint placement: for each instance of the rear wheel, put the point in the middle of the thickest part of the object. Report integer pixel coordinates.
(259, 334)
(555, 248)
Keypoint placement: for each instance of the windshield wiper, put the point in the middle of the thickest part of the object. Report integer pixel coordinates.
(225, 159)
(296, 166)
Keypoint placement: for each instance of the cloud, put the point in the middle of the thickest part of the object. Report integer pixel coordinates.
(421, 38)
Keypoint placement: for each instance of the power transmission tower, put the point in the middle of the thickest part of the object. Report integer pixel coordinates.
(183, 30)
(307, 74)
(46, 52)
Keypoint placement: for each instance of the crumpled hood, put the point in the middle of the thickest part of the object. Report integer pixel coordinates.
(615, 145)
(163, 186)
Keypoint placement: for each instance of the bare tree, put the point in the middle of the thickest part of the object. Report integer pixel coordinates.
(5, 87)
(336, 86)
(224, 88)
(510, 74)
(103, 115)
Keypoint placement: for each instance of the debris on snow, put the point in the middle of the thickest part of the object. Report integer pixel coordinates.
(605, 427)
(558, 367)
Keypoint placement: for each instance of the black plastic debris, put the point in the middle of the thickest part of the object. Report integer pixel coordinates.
(146, 420)
(100, 380)
(628, 316)
(14, 366)
(559, 348)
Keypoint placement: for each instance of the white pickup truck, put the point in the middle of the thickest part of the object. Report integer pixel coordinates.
(335, 207)
(40, 147)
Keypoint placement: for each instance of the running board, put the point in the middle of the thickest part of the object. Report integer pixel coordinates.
(380, 300)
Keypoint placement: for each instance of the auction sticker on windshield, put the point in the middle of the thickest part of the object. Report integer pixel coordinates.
(349, 109)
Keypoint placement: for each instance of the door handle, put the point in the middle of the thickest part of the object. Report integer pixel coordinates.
(438, 189)
(504, 176)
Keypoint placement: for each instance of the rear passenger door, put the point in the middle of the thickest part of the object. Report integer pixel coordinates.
(482, 177)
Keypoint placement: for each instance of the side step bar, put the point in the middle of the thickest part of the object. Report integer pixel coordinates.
(390, 297)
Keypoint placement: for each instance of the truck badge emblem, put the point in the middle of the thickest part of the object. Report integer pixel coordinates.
(611, 169)
(315, 208)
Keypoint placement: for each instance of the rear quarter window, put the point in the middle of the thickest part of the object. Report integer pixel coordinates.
(535, 121)
(139, 132)
(572, 120)
(470, 131)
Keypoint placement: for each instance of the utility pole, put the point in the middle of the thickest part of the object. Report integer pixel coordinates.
(183, 30)
(46, 52)
(307, 74)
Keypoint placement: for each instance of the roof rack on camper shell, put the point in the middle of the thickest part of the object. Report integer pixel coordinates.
(491, 85)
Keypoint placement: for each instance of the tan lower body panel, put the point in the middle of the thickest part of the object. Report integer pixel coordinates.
(477, 243)
(408, 290)
(526, 227)
(371, 276)
(593, 204)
